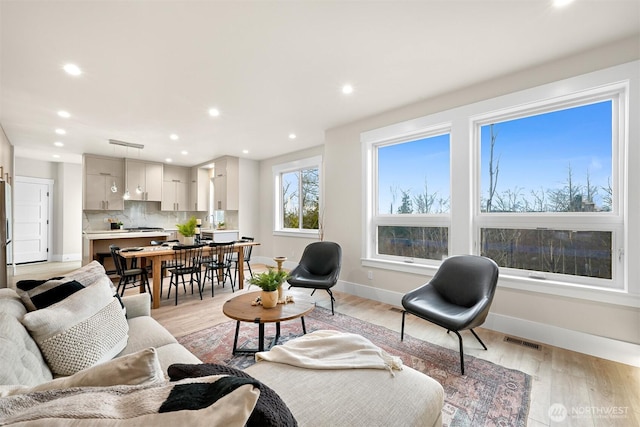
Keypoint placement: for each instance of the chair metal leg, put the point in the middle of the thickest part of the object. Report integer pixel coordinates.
(402, 327)
(478, 338)
(461, 351)
(332, 300)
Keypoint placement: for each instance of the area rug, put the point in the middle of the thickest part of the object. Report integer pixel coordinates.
(487, 395)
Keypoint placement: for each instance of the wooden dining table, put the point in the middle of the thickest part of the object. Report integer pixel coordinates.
(157, 254)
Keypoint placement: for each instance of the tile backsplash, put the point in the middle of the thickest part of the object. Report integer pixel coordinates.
(148, 214)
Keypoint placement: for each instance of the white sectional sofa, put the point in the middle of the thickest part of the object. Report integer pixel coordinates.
(354, 397)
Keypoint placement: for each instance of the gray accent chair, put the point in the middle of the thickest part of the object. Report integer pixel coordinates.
(458, 297)
(319, 268)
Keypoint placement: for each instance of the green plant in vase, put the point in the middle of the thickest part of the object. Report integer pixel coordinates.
(188, 229)
(270, 282)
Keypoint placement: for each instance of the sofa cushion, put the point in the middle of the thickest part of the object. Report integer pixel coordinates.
(11, 304)
(37, 294)
(80, 331)
(22, 362)
(270, 410)
(207, 402)
(142, 367)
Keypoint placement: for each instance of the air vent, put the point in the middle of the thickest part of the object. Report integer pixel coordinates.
(523, 343)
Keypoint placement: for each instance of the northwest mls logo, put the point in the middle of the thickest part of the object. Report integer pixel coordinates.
(557, 412)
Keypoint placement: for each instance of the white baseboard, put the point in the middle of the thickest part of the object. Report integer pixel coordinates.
(66, 257)
(606, 348)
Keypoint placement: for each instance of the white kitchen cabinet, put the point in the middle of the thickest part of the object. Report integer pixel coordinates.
(225, 184)
(199, 190)
(101, 176)
(144, 180)
(221, 236)
(175, 188)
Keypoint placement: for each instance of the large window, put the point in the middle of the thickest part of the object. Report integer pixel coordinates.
(537, 180)
(548, 205)
(412, 199)
(298, 196)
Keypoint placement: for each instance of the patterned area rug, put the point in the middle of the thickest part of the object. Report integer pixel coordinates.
(487, 395)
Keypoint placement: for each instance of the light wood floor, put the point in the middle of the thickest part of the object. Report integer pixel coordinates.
(580, 382)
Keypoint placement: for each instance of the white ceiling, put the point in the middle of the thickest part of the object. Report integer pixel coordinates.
(153, 68)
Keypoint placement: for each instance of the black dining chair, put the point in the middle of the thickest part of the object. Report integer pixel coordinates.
(129, 275)
(319, 268)
(170, 263)
(458, 297)
(246, 254)
(187, 261)
(219, 265)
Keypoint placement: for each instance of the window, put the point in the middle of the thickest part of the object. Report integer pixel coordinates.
(411, 221)
(548, 205)
(537, 180)
(298, 196)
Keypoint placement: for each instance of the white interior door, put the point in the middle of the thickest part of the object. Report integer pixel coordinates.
(31, 219)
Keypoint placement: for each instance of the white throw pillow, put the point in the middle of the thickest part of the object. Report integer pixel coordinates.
(82, 330)
(139, 368)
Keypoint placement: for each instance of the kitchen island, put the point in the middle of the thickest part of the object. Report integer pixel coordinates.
(95, 243)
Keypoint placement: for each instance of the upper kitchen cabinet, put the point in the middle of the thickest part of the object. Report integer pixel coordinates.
(225, 184)
(103, 183)
(199, 189)
(144, 180)
(175, 188)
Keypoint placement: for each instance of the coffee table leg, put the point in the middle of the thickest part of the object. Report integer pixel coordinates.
(275, 340)
(235, 339)
(304, 328)
(260, 336)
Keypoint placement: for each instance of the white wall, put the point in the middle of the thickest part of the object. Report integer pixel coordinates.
(528, 312)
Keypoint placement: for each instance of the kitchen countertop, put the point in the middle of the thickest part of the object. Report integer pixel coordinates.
(122, 234)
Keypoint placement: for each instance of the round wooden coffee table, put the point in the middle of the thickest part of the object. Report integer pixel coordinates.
(240, 309)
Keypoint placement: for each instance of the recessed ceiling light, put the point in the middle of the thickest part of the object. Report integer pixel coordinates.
(214, 112)
(292, 136)
(561, 3)
(174, 136)
(184, 152)
(72, 69)
(56, 156)
(347, 89)
(58, 144)
(61, 131)
(168, 160)
(245, 151)
(64, 114)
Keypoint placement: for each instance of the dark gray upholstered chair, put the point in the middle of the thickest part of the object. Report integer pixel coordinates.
(458, 297)
(319, 268)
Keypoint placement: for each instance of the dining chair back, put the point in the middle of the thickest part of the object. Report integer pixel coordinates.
(129, 275)
(246, 255)
(219, 265)
(187, 261)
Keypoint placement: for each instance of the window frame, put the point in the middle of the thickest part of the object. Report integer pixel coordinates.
(294, 166)
(612, 221)
(376, 219)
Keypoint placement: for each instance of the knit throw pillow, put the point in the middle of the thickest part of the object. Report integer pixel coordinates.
(84, 329)
(270, 410)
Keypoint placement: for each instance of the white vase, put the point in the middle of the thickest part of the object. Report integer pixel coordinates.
(186, 240)
(269, 299)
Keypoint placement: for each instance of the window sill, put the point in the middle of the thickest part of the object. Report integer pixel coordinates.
(312, 234)
(609, 296)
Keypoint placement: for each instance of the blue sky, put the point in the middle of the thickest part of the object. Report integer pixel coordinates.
(534, 152)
